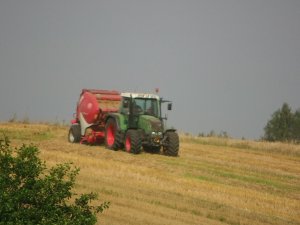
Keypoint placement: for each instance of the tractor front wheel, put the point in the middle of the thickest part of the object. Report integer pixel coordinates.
(133, 142)
(171, 146)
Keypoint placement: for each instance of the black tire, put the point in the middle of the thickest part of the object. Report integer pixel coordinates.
(133, 142)
(171, 147)
(151, 149)
(113, 138)
(74, 133)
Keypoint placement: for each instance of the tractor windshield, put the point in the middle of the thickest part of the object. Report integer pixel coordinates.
(146, 106)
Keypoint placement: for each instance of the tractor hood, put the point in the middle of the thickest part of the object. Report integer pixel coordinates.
(150, 124)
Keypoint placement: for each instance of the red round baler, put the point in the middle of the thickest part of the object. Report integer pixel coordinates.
(92, 108)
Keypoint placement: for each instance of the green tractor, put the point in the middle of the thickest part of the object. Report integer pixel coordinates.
(130, 121)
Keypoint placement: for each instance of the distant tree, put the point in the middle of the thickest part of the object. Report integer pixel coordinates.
(28, 195)
(201, 134)
(13, 119)
(280, 126)
(224, 134)
(212, 133)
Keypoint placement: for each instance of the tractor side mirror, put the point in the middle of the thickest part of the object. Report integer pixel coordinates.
(170, 106)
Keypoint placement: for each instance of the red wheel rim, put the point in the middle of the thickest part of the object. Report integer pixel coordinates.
(110, 135)
(128, 144)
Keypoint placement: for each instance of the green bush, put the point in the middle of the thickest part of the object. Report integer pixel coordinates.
(30, 195)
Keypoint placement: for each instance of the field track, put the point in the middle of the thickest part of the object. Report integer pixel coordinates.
(213, 181)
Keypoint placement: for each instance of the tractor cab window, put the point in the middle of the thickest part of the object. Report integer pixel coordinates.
(146, 106)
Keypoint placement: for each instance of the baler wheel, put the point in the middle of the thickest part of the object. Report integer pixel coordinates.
(172, 144)
(133, 142)
(74, 133)
(112, 136)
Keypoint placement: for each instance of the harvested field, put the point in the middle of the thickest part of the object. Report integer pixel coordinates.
(213, 181)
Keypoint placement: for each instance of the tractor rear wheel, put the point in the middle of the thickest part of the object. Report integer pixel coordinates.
(74, 133)
(171, 146)
(133, 142)
(112, 136)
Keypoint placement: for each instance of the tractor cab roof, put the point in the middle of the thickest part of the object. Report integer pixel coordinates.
(140, 95)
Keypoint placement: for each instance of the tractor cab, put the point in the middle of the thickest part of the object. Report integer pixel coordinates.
(141, 104)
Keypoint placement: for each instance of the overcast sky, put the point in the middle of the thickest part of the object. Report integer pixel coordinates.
(226, 65)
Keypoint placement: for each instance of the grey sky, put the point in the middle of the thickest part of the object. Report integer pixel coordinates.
(227, 65)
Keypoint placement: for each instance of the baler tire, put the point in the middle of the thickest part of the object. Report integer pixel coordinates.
(172, 144)
(74, 133)
(113, 138)
(133, 142)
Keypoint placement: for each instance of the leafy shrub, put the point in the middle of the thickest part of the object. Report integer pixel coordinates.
(29, 195)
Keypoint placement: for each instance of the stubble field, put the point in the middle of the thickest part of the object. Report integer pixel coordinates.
(213, 181)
